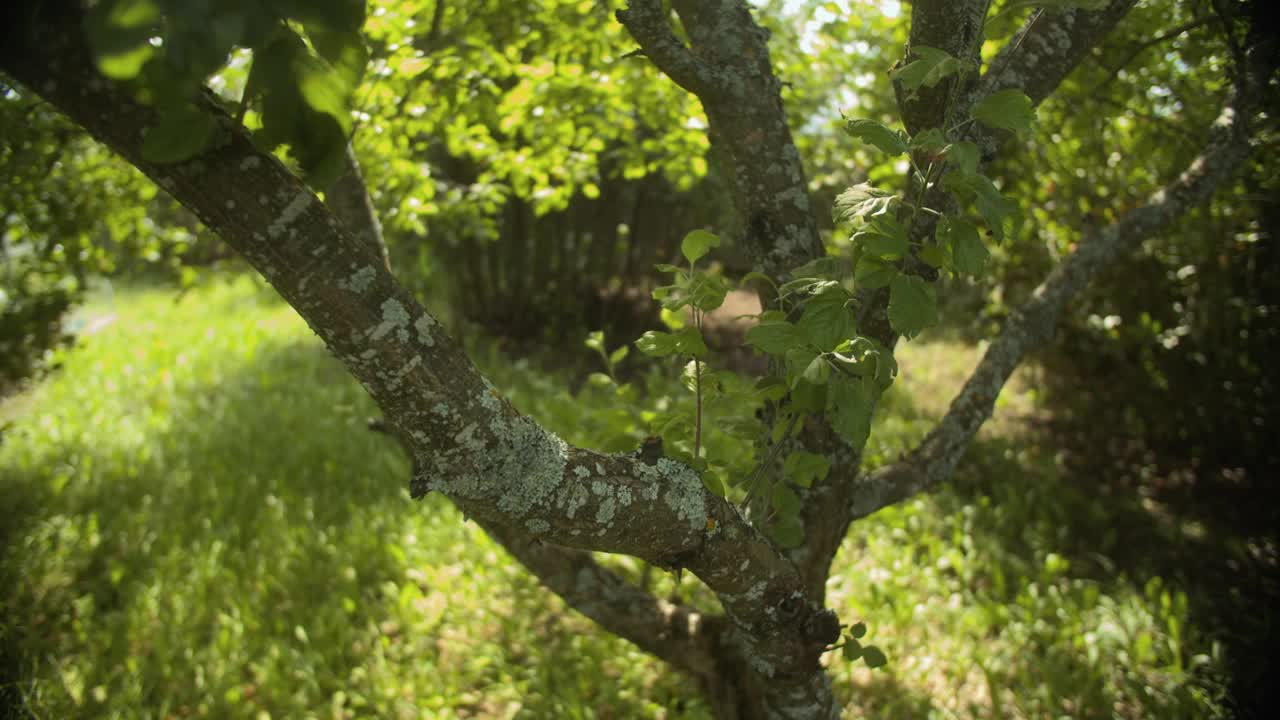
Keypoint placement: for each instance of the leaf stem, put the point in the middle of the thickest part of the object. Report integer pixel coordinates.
(697, 385)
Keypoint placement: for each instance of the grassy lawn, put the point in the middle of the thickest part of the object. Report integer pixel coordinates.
(195, 522)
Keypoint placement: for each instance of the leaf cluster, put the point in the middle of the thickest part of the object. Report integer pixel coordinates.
(307, 60)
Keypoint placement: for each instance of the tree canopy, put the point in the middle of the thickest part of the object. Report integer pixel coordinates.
(942, 162)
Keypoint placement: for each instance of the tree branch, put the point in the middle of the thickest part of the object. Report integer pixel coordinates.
(674, 633)
(465, 440)
(934, 460)
(348, 199)
(1039, 57)
(727, 66)
(649, 23)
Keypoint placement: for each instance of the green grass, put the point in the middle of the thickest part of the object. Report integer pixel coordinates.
(196, 523)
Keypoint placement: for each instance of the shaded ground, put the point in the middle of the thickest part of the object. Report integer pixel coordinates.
(1215, 532)
(195, 494)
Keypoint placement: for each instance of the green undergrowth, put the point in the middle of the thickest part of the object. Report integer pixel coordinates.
(197, 523)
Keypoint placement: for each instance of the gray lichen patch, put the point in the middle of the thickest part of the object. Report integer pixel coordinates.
(529, 467)
(394, 317)
(604, 513)
(761, 666)
(290, 214)
(574, 498)
(408, 367)
(423, 325)
(360, 280)
(684, 494)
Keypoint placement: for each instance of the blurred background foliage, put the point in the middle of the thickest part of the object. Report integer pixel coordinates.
(529, 170)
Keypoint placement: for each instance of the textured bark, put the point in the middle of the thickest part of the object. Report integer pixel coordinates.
(679, 635)
(1039, 57)
(955, 26)
(466, 441)
(348, 199)
(726, 65)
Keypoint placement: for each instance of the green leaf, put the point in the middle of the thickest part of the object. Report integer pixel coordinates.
(655, 343)
(805, 468)
(784, 500)
(797, 360)
(753, 275)
(672, 297)
(667, 268)
(963, 157)
(707, 292)
(886, 365)
(304, 104)
(1006, 110)
(689, 341)
(686, 341)
(710, 379)
(697, 244)
(852, 649)
(595, 341)
(826, 321)
(345, 53)
(827, 268)
(850, 409)
(929, 141)
(775, 338)
(180, 135)
(986, 199)
(858, 630)
(807, 397)
(862, 200)
(818, 371)
(322, 88)
(877, 134)
(885, 237)
(770, 389)
(619, 355)
(869, 360)
(119, 34)
(874, 273)
(913, 305)
(787, 531)
(938, 256)
(801, 286)
(881, 246)
(930, 67)
(712, 481)
(888, 226)
(969, 254)
(874, 657)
